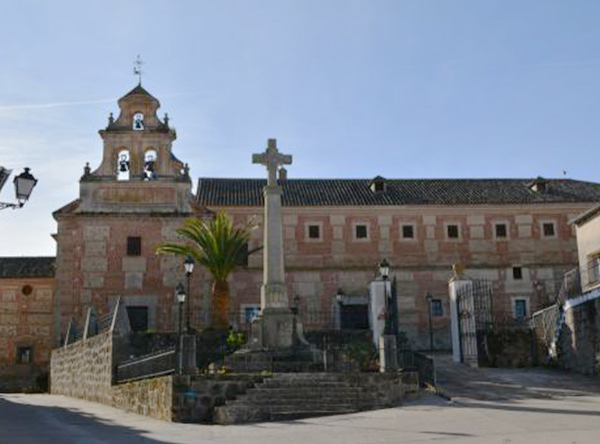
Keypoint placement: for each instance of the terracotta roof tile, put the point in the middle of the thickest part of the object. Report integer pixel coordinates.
(356, 192)
(18, 267)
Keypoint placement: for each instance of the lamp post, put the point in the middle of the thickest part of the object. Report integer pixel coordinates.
(429, 298)
(188, 264)
(180, 294)
(384, 271)
(24, 184)
(339, 297)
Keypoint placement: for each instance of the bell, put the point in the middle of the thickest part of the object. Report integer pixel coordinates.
(150, 166)
(124, 166)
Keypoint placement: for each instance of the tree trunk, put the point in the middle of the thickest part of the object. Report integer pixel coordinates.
(220, 306)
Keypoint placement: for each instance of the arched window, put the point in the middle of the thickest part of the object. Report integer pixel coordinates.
(150, 157)
(138, 121)
(123, 165)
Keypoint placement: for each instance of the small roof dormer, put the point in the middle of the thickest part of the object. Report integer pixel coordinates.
(539, 185)
(378, 184)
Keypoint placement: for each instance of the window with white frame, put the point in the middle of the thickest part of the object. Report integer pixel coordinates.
(407, 231)
(314, 231)
(437, 308)
(361, 232)
(248, 312)
(520, 309)
(452, 231)
(548, 229)
(500, 230)
(517, 273)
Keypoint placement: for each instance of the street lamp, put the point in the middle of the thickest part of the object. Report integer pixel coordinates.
(339, 297)
(384, 271)
(429, 298)
(188, 264)
(24, 184)
(180, 294)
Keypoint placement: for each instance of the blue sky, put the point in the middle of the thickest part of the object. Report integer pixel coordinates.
(445, 88)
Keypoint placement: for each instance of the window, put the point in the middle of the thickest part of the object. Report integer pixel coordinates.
(134, 246)
(517, 273)
(361, 232)
(548, 229)
(314, 232)
(24, 355)
(379, 186)
(408, 232)
(138, 318)
(249, 312)
(452, 231)
(501, 231)
(436, 307)
(520, 309)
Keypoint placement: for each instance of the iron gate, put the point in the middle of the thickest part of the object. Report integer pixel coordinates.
(474, 300)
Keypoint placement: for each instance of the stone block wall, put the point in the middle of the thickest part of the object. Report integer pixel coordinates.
(579, 345)
(84, 369)
(149, 397)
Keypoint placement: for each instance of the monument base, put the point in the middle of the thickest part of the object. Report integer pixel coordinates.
(276, 344)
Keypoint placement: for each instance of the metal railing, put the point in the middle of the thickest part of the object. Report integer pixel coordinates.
(592, 272)
(425, 366)
(312, 320)
(162, 362)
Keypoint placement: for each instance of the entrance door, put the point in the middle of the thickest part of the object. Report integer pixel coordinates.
(354, 317)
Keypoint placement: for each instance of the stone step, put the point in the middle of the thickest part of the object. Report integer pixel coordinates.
(225, 415)
(306, 383)
(281, 394)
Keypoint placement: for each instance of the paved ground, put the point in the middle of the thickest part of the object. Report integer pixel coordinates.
(467, 384)
(491, 406)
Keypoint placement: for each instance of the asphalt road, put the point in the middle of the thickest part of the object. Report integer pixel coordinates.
(40, 419)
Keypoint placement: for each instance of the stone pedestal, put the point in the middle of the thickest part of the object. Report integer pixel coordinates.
(388, 353)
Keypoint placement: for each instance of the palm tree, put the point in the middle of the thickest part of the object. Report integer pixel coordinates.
(220, 248)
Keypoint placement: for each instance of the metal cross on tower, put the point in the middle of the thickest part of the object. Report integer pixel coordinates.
(137, 68)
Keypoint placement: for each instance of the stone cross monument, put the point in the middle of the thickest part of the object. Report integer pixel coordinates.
(274, 328)
(273, 292)
(276, 339)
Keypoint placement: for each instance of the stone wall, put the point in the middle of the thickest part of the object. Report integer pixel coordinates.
(25, 324)
(84, 369)
(579, 345)
(149, 397)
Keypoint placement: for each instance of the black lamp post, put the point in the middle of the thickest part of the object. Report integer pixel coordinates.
(180, 294)
(24, 184)
(189, 268)
(429, 298)
(384, 271)
(339, 297)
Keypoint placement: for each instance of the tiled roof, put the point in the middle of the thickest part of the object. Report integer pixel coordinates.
(19, 267)
(356, 192)
(141, 91)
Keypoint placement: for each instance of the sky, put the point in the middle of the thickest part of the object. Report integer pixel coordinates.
(350, 88)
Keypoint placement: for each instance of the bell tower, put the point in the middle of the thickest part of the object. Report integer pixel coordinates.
(139, 172)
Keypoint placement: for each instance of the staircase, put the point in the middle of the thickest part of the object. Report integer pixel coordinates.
(300, 395)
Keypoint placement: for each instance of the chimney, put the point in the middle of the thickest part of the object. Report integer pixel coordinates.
(282, 174)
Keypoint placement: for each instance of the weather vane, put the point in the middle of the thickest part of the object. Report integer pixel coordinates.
(137, 68)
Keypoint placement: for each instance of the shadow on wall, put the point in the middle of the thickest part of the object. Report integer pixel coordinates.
(56, 424)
